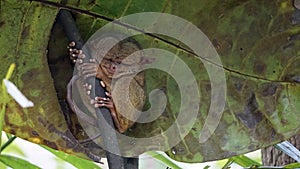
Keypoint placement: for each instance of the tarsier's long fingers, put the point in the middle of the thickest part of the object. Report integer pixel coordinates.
(108, 103)
(108, 94)
(102, 84)
(103, 102)
(91, 62)
(75, 54)
(88, 69)
(87, 73)
(88, 66)
(88, 88)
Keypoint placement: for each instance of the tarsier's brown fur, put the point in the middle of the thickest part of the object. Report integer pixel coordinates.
(119, 104)
(136, 88)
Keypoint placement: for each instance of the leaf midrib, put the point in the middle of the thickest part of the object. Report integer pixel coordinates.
(96, 15)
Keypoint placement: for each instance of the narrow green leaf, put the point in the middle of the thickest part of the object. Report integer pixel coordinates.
(228, 163)
(7, 143)
(2, 111)
(4, 97)
(289, 166)
(9, 135)
(10, 71)
(13, 148)
(17, 163)
(206, 167)
(163, 159)
(292, 165)
(3, 108)
(2, 165)
(245, 161)
(75, 161)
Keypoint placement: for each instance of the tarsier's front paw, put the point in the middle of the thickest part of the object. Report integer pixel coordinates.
(88, 87)
(105, 102)
(88, 69)
(101, 101)
(76, 55)
(84, 69)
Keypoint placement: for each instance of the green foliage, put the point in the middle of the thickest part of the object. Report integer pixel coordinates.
(256, 43)
(163, 159)
(289, 166)
(7, 143)
(33, 21)
(11, 161)
(4, 98)
(241, 160)
(75, 161)
(17, 163)
(293, 165)
(25, 29)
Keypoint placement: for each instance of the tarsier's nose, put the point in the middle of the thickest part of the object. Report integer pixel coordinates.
(113, 66)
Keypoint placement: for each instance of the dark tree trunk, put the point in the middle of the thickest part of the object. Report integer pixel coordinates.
(274, 157)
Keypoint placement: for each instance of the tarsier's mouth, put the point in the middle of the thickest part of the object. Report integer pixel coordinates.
(111, 72)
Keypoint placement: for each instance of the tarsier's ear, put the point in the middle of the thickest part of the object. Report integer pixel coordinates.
(146, 60)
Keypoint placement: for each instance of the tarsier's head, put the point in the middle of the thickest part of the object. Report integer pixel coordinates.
(116, 61)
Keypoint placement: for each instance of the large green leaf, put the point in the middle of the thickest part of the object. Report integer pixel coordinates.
(25, 30)
(258, 42)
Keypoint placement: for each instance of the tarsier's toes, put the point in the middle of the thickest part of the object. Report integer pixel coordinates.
(108, 94)
(75, 54)
(88, 69)
(87, 87)
(97, 102)
(79, 60)
(102, 102)
(71, 44)
(102, 83)
(93, 60)
(93, 101)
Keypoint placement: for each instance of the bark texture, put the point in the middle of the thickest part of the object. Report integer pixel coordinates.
(274, 157)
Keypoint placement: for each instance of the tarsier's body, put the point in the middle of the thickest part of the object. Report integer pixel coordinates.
(109, 70)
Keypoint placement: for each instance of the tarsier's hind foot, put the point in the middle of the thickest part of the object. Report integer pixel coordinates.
(88, 69)
(76, 55)
(104, 101)
(108, 103)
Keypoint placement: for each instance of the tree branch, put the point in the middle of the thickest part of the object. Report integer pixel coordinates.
(103, 115)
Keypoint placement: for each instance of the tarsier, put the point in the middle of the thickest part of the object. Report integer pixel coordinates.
(113, 67)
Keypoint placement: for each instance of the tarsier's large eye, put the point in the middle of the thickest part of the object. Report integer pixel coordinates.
(107, 61)
(117, 62)
(110, 61)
